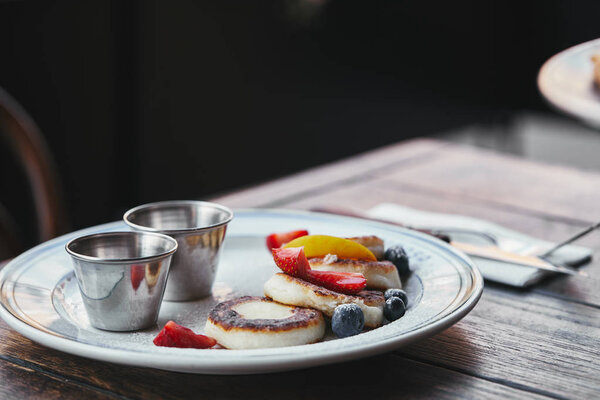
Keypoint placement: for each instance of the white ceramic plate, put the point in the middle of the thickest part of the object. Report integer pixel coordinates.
(566, 81)
(40, 299)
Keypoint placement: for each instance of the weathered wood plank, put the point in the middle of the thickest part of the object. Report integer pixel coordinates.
(552, 191)
(21, 382)
(387, 376)
(524, 339)
(396, 377)
(547, 190)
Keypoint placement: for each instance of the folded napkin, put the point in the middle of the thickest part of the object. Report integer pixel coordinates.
(509, 240)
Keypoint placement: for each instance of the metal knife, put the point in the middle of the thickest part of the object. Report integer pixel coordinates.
(497, 254)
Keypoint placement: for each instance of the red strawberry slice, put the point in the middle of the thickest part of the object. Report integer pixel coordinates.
(137, 275)
(173, 335)
(292, 261)
(341, 282)
(275, 240)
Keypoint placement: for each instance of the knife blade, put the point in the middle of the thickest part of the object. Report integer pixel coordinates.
(497, 254)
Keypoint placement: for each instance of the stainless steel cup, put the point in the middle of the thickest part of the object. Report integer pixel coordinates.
(122, 277)
(199, 228)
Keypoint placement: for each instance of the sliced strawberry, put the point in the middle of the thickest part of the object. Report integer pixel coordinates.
(275, 240)
(173, 335)
(292, 261)
(137, 275)
(342, 282)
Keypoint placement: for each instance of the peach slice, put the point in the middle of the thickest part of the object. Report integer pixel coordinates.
(321, 245)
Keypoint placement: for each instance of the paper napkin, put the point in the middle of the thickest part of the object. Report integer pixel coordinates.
(510, 240)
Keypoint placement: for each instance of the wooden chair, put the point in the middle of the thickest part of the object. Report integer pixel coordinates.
(26, 142)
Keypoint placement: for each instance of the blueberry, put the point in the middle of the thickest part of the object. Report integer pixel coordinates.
(397, 255)
(397, 293)
(347, 320)
(394, 308)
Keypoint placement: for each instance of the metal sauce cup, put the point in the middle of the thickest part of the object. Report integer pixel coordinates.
(122, 277)
(199, 228)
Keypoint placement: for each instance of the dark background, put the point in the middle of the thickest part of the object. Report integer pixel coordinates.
(154, 100)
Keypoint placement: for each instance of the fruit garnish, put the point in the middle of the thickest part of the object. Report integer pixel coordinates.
(292, 261)
(137, 275)
(347, 320)
(396, 293)
(276, 240)
(174, 335)
(394, 308)
(321, 245)
(398, 256)
(341, 282)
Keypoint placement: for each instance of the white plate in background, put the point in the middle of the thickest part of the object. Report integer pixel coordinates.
(566, 81)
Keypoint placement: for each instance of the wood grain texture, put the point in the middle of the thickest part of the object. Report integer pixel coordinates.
(550, 191)
(524, 339)
(505, 182)
(21, 382)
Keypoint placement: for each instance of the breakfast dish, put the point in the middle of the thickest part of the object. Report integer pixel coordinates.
(296, 297)
(40, 299)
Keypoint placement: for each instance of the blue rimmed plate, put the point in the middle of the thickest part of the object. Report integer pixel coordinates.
(39, 298)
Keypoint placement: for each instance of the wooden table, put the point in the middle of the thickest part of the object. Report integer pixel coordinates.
(543, 342)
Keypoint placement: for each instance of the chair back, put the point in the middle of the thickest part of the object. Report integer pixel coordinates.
(27, 143)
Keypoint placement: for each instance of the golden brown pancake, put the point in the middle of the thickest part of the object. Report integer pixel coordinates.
(256, 322)
(380, 275)
(373, 243)
(287, 289)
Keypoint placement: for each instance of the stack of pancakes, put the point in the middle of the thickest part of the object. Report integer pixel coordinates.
(292, 313)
